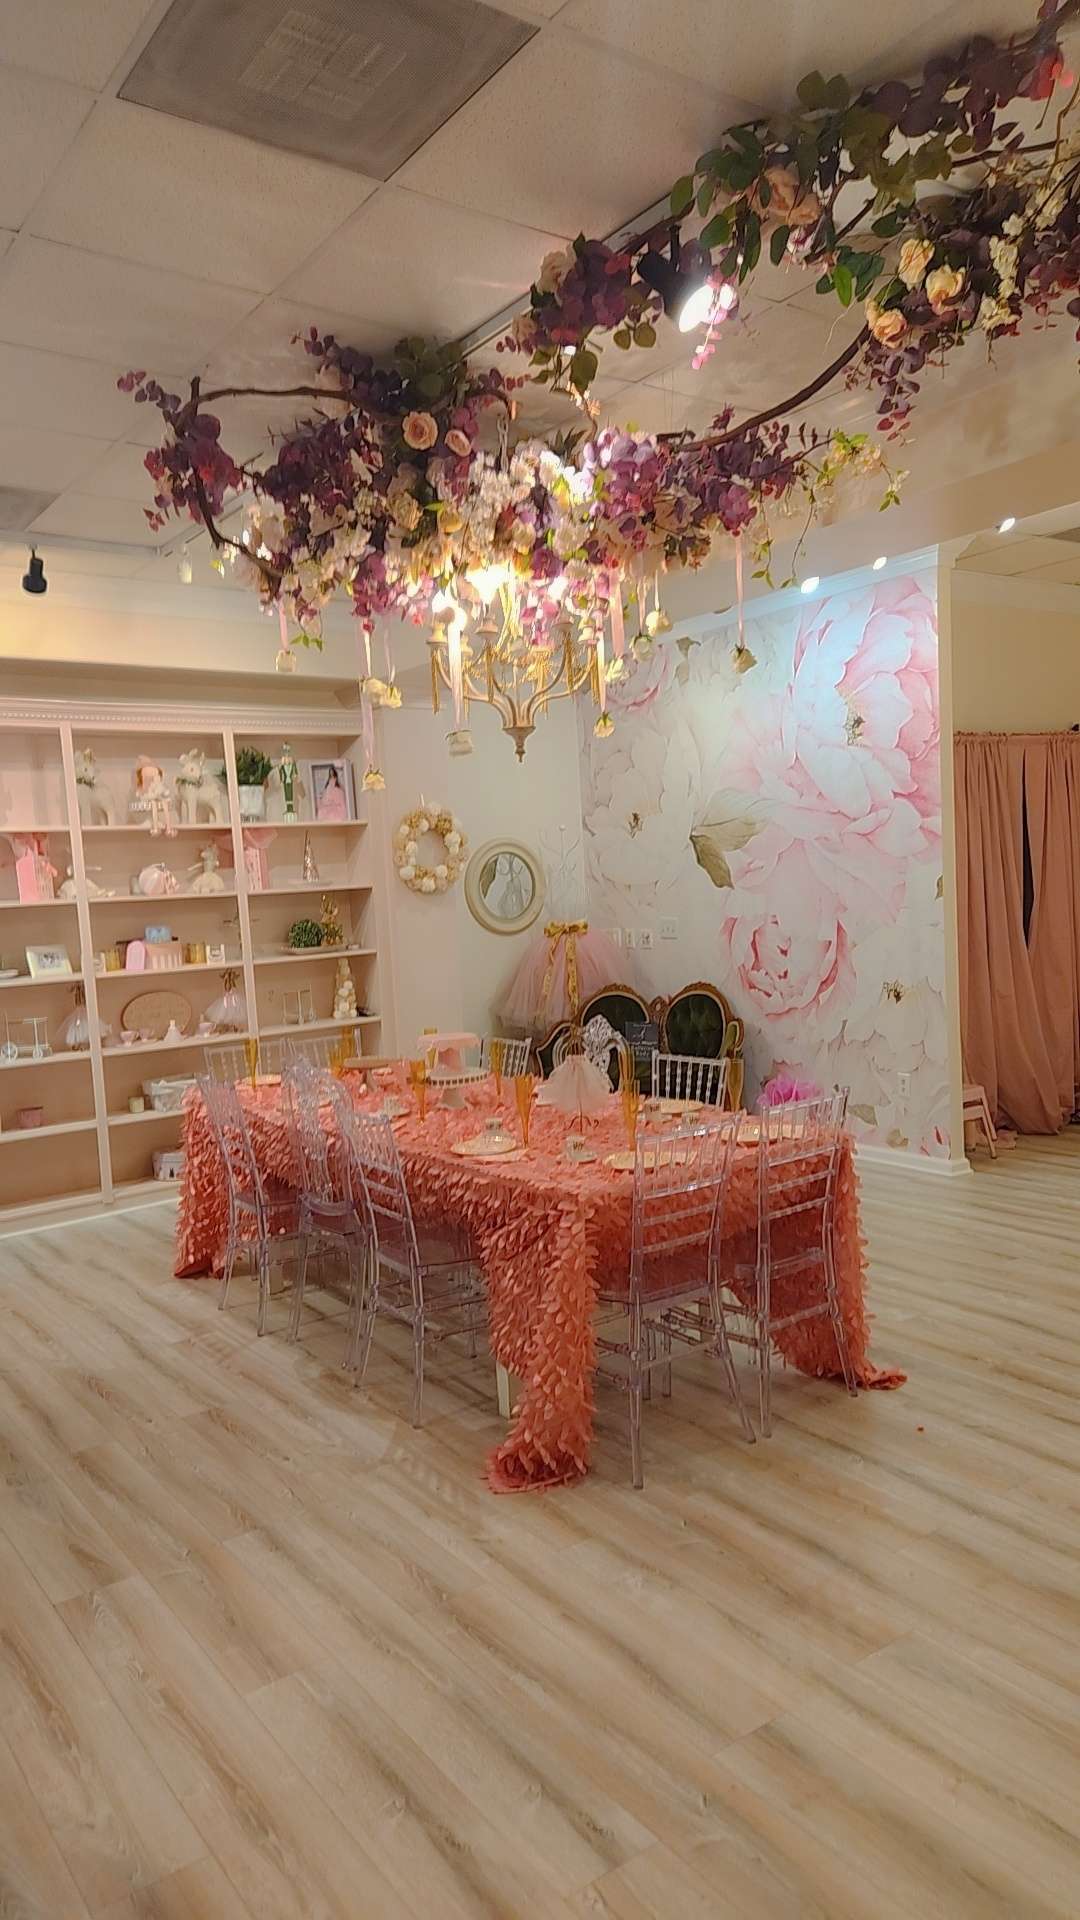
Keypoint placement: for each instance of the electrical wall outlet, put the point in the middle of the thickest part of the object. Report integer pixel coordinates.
(669, 929)
(615, 934)
(629, 938)
(903, 1085)
(644, 938)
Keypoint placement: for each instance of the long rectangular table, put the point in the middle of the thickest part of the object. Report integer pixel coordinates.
(543, 1228)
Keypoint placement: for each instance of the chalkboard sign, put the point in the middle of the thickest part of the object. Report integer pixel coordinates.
(643, 1039)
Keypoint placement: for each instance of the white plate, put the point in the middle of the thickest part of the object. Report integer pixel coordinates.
(10, 973)
(483, 1148)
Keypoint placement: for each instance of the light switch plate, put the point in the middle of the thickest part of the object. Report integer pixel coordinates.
(629, 938)
(669, 929)
(644, 938)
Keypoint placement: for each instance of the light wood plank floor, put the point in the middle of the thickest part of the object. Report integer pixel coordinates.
(266, 1654)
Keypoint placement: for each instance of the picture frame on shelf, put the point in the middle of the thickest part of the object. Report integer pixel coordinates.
(45, 963)
(330, 784)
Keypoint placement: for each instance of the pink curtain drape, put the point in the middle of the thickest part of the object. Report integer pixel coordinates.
(1020, 992)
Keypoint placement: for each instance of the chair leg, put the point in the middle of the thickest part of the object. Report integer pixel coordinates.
(262, 1271)
(837, 1318)
(230, 1257)
(723, 1348)
(764, 1351)
(300, 1282)
(634, 1395)
(367, 1303)
(418, 1368)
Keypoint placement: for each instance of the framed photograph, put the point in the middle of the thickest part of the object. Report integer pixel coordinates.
(47, 962)
(330, 785)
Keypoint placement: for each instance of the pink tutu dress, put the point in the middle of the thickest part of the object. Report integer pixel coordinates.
(538, 994)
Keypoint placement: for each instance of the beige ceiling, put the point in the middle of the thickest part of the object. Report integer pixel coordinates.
(128, 237)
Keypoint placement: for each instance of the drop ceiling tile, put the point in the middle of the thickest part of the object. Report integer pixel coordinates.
(40, 119)
(81, 516)
(423, 266)
(722, 42)
(191, 199)
(262, 352)
(52, 392)
(30, 457)
(766, 355)
(569, 137)
(120, 474)
(68, 301)
(78, 40)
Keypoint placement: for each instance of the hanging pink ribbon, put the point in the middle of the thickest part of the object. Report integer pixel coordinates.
(618, 628)
(739, 590)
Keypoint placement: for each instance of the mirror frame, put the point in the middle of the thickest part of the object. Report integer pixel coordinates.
(478, 906)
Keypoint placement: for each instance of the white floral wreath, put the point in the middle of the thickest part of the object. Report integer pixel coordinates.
(418, 878)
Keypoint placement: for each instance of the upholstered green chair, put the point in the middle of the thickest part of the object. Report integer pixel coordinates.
(698, 1020)
(544, 1049)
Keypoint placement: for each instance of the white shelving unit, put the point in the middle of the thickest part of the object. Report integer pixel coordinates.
(105, 1159)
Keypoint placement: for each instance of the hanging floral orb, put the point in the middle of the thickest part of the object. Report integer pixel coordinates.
(407, 836)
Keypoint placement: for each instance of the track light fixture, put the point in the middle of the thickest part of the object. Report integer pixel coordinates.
(33, 579)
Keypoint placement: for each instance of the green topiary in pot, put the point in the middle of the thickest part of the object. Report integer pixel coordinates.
(252, 766)
(305, 933)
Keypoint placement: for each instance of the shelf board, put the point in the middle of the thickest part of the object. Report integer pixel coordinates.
(300, 826)
(314, 953)
(38, 1133)
(157, 899)
(58, 826)
(43, 980)
(309, 886)
(140, 1048)
(36, 906)
(142, 826)
(49, 1060)
(161, 974)
(320, 1026)
(137, 1119)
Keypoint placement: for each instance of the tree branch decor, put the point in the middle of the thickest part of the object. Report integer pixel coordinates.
(409, 487)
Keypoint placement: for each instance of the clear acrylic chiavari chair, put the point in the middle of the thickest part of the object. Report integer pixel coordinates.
(262, 1213)
(430, 1285)
(799, 1149)
(685, 1076)
(673, 1291)
(333, 1207)
(230, 1061)
(318, 1049)
(507, 1057)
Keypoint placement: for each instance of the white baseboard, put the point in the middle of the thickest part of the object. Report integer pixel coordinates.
(869, 1155)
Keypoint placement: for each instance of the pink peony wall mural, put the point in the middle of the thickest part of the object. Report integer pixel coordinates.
(786, 814)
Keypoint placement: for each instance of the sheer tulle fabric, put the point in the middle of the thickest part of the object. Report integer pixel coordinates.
(547, 1231)
(526, 1004)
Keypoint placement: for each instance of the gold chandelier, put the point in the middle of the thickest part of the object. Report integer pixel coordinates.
(502, 666)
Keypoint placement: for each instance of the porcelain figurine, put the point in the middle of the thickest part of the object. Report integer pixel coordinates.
(152, 795)
(197, 787)
(94, 795)
(286, 777)
(209, 879)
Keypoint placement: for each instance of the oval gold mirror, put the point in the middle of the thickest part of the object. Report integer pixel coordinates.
(504, 886)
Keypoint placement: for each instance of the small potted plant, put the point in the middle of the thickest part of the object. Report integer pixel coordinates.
(252, 773)
(305, 933)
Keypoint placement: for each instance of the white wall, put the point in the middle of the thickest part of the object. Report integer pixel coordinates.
(448, 969)
(1015, 662)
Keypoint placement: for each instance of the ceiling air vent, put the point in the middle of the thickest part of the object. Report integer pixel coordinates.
(361, 83)
(20, 507)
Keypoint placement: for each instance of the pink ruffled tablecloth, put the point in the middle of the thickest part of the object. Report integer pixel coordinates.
(545, 1231)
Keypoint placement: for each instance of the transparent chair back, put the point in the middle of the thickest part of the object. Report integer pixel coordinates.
(230, 1131)
(507, 1057)
(388, 1198)
(684, 1076)
(305, 1092)
(680, 1175)
(317, 1049)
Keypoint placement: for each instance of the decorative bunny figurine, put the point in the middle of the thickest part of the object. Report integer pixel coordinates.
(94, 795)
(197, 787)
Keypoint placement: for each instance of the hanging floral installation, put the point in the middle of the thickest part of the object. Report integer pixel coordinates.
(411, 488)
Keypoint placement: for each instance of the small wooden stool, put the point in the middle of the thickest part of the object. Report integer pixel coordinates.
(977, 1114)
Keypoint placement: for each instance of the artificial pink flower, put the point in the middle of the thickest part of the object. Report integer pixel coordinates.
(784, 1089)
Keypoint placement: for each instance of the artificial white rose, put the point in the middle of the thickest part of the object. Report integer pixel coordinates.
(428, 884)
(423, 825)
(410, 850)
(407, 873)
(441, 872)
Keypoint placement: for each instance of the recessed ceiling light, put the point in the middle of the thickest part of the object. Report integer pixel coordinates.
(881, 561)
(1008, 523)
(810, 583)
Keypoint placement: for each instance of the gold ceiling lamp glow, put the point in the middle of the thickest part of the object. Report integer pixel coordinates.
(501, 666)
